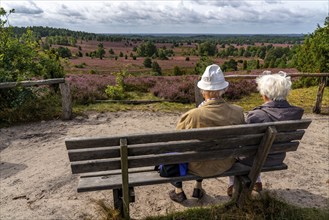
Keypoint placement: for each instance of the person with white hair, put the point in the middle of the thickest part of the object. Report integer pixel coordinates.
(213, 111)
(274, 89)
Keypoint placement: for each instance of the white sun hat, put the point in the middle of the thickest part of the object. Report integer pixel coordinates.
(213, 79)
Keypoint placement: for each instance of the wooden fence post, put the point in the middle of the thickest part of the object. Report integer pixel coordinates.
(66, 101)
(319, 95)
(197, 94)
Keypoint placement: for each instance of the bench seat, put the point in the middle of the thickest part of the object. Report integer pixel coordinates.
(114, 181)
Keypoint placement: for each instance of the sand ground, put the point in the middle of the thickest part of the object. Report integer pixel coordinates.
(36, 180)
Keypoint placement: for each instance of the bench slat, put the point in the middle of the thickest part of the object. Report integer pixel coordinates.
(148, 178)
(201, 133)
(158, 148)
(113, 172)
(152, 160)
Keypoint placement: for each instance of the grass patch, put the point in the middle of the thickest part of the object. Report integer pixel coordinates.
(114, 107)
(306, 97)
(303, 97)
(268, 207)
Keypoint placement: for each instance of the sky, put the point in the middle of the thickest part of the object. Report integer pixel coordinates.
(172, 16)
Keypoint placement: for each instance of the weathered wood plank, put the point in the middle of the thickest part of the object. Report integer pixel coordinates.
(149, 178)
(124, 175)
(66, 101)
(94, 153)
(319, 95)
(261, 155)
(152, 160)
(289, 74)
(260, 158)
(114, 172)
(201, 133)
(32, 83)
(193, 145)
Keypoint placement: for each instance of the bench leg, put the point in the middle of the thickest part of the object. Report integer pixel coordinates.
(117, 198)
(236, 189)
(241, 190)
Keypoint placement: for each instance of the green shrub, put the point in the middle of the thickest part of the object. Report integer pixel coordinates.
(92, 71)
(31, 105)
(118, 91)
(81, 65)
(115, 92)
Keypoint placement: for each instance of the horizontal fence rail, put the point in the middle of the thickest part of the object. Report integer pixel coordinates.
(248, 76)
(63, 86)
(7, 85)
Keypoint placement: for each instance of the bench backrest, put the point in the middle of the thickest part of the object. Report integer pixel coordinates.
(103, 153)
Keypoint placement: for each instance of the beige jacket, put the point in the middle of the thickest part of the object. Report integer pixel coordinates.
(212, 113)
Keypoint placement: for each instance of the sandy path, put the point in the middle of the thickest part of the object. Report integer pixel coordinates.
(36, 181)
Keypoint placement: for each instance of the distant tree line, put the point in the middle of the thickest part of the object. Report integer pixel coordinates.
(239, 50)
(175, 39)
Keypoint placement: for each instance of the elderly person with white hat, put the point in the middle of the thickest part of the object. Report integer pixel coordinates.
(214, 111)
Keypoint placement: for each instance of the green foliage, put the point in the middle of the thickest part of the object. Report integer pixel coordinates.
(178, 71)
(100, 52)
(111, 51)
(276, 56)
(147, 49)
(147, 62)
(118, 92)
(156, 68)
(30, 105)
(230, 65)
(81, 65)
(201, 65)
(207, 48)
(251, 64)
(162, 54)
(115, 92)
(22, 58)
(229, 51)
(64, 52)
(313, 55)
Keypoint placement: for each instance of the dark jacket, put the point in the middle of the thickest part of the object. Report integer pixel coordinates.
(269, 112)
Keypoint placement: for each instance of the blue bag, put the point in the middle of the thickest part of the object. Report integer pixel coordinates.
(170, 170)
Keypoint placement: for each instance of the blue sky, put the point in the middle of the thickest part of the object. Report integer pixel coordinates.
(173, 16)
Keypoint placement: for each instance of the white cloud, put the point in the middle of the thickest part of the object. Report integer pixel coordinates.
(185, 16)
(29, 7)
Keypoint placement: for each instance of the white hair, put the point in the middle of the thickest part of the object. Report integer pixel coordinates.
(214, 93)
(276, 87)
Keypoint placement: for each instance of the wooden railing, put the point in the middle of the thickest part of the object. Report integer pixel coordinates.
(63, 86)
(67, 98)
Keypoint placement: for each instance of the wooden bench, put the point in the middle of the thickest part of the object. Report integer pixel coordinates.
(121, 163)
